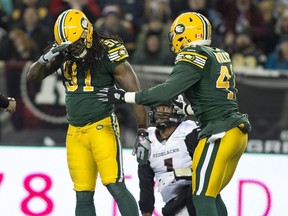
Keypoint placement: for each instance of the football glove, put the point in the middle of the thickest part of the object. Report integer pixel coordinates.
(11, 106)
(142, 147)
(182, 107)
(111, 95)
(53, 52)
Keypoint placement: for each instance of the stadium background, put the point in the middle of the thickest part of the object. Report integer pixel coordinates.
(32, 141)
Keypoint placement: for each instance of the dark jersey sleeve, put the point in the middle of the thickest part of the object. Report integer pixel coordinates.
(4, 102)
(146, 183)
(180, 79)
(116, 53)
(192, 141)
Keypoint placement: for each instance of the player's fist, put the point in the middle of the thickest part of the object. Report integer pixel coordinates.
(111, 95)
(11, 108)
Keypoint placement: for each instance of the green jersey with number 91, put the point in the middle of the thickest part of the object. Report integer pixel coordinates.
(205, 75)
(82, 104)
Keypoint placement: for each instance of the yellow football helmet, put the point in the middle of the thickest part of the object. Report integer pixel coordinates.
(189, 29)
(73, 25)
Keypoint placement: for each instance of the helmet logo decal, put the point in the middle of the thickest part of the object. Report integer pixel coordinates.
(179, 29)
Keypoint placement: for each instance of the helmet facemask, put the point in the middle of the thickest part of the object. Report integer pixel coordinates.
(164, 116)
(78, 49)
(171, 36)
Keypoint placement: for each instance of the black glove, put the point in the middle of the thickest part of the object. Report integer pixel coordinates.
(111, 95)
(182, 107)
(142, 147)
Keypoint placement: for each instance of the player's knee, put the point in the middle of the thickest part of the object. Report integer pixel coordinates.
(85, 203)
(84, 196)
(177, 204)
(117, 189)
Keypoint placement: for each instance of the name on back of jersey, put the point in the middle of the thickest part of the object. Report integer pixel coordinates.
(222, 57)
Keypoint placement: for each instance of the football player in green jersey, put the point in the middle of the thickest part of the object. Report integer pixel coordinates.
(7, 103)
(205, 76)
(90, 61)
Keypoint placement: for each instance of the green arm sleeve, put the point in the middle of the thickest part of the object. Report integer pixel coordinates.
(182, 77)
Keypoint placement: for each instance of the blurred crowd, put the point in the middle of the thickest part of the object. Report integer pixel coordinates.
(254, 32)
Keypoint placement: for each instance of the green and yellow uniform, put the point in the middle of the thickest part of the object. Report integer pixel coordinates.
(92, 141)
(205, 76)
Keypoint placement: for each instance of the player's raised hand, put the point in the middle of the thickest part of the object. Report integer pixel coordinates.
(111, 95)
(53, 52)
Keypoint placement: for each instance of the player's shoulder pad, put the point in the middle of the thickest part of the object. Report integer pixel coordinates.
(116, 50)
(188, 125)
(151, 130)
(192, 55)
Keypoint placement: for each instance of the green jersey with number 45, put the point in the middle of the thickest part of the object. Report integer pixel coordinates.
(82, 104)
(205, 76)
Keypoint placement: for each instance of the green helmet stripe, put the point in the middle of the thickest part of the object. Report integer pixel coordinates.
(61, 29)
(205, 26)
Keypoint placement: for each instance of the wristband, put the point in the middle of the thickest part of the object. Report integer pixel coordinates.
(129, 97)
